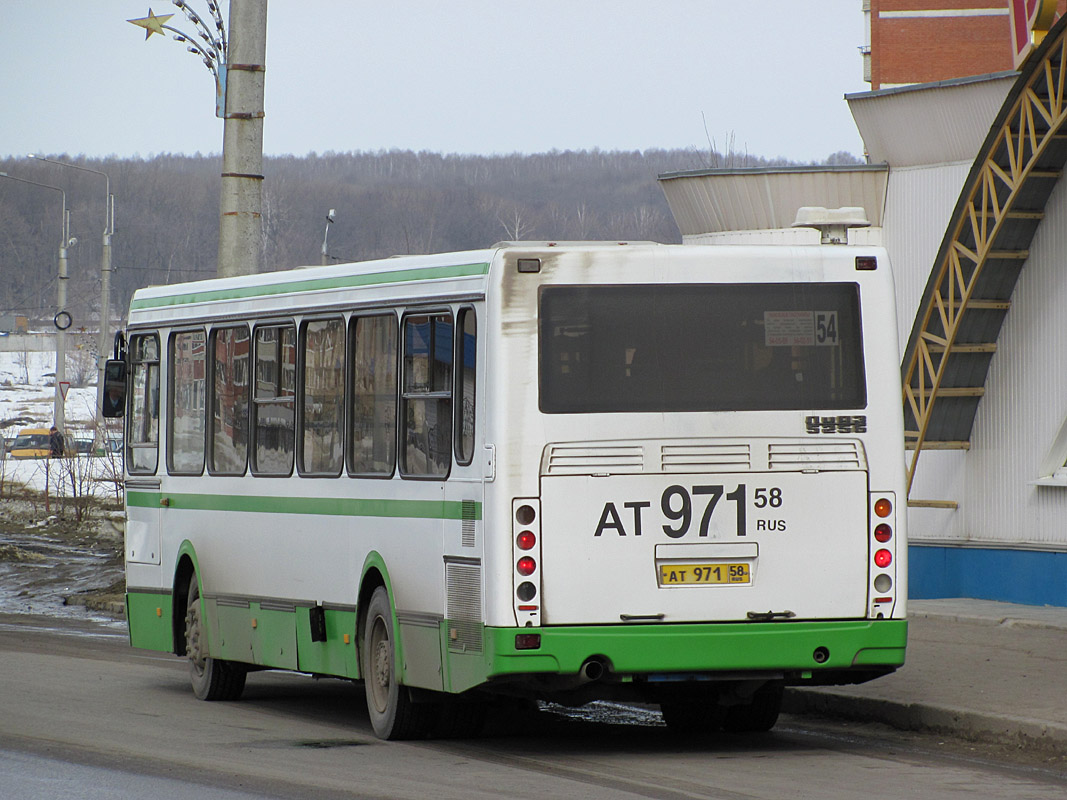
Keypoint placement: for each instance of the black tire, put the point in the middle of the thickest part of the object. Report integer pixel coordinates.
(693, 717)
(460, 720)
(393, 715)
(212, 678)
(758, 715)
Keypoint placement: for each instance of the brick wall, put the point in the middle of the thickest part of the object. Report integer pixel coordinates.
(917, 48)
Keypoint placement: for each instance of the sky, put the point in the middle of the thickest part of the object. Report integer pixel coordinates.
(464, 76)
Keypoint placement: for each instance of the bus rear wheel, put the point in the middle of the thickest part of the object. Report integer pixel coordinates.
(212, 678)
(393, 714)
(693, 716)
(758, 715)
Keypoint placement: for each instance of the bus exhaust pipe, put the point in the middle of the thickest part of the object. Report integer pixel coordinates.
(592, 670)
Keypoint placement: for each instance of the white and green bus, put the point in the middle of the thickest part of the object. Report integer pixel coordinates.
(557, 471)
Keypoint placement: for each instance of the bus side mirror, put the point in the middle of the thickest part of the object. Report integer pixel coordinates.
(114, 402)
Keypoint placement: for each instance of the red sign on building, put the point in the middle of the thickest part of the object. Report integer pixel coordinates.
(1030, 21)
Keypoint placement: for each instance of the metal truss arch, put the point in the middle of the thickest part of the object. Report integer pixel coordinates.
(968, 294)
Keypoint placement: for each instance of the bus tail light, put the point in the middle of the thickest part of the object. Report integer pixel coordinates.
(882, 554)
(526, 558)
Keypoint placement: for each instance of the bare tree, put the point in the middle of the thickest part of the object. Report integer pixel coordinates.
(515, 221)
(22, 360)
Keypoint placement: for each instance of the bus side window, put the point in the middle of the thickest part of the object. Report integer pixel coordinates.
(142, 435)
(185, 409)
(229, 407)
(372, 418)
(466, 354)
(273, 400)
(323, 393)
(426, 400)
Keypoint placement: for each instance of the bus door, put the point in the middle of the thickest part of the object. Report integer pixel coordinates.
(464, 497)
(144, 498)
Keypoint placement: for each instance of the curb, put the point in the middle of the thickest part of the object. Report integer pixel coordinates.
(1030, 734)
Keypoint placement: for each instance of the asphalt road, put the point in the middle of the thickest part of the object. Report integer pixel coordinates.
(82, 715)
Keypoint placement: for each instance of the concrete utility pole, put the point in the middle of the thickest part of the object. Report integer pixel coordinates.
(104, 341)
(238, 67)
(241, 201)
(62, 322)
(62, 318)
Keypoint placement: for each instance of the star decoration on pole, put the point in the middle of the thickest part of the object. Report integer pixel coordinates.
(151, 23)
(208, 44)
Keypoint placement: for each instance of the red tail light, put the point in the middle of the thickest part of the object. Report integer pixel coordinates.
(883, 533)
(526, 540)
(883, 558)
(526, 565)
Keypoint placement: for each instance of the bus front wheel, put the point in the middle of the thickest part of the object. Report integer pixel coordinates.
(212, 678)
(392, 712)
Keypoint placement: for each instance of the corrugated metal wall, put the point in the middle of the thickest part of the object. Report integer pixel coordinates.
(918, 206)
(1026, 390)
(1025, 404)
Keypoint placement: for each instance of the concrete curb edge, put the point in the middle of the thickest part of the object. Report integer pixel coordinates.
(1031, 734)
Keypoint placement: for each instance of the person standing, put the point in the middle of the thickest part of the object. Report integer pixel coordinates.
(55, 443)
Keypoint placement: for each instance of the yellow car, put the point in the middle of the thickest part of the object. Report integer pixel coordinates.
(30, 443)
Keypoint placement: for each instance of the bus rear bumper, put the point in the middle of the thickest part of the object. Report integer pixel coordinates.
(803, 650)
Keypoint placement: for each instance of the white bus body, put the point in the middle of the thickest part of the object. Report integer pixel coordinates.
(601, 470)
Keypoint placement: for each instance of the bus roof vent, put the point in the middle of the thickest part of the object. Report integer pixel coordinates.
(832, 223)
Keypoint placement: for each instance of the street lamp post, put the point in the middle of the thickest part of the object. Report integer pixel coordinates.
(59, 409)
(104, 341)
(329, 221)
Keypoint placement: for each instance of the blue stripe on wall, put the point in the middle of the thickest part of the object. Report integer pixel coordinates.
(1031, 577)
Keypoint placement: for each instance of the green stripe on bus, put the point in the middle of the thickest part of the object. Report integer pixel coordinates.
(330, 506)
(314, 284)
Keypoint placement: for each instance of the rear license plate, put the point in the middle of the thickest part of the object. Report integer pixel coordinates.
(703, 574)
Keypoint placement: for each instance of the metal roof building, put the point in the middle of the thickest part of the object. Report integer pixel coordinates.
(966, 195)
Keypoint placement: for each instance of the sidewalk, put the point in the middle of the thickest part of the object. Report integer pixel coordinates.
(976, 669)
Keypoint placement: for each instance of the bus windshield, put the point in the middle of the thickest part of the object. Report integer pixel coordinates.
(701, 347)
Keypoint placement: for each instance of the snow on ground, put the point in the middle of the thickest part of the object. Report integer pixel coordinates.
(27, 396)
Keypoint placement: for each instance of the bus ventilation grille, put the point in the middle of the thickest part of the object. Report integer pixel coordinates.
(464, 606)
(591, 459)
(706, 457)
(843, 455)
(466, 512)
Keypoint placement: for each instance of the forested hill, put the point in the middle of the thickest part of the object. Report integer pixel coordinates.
(166, 210)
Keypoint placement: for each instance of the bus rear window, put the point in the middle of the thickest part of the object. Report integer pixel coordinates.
(701, 347)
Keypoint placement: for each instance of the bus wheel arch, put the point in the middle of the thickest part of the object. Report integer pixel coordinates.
(373, 575)
(183, 574)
